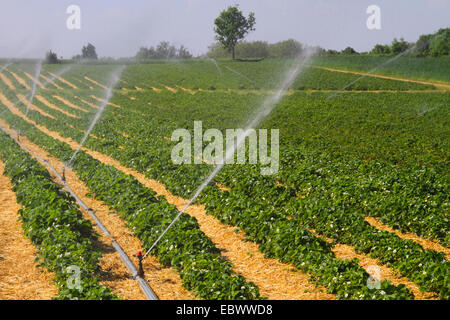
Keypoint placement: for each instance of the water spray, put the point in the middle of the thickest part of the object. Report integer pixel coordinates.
(215, 63)
(5, 66)
(267, 107)
(33, 90)
(51, 79)
(114, 79)
(423, 112)
(240, 74)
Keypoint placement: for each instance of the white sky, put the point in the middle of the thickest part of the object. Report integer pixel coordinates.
(28, 28)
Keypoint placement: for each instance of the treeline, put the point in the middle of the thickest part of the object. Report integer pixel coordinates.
(428, 45)
(259, 49)
(431, 45)
(164, 50)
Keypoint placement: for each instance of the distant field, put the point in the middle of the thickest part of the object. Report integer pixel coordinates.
(419, 68)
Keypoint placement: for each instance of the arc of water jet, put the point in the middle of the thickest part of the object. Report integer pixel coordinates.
(240, 74)
(5, 66)
(215, 63)
(33, 90)
(372, 71)
(265, 110)
(421, 113)
(56, 75)
(115, 77)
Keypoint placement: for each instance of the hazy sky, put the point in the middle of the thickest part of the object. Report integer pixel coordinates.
(28, 28)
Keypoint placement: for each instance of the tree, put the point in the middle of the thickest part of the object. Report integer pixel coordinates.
(142, 54)
(88, 52)
(423, 45)
(349, 50)
(440, 43)
(183, 53)
(164, 50)
(381, 49)
(51, 57)
(399, 46)
(231, 26)
(255, 49)
(286, 49)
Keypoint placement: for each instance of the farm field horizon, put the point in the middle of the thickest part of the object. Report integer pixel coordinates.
(358, 208)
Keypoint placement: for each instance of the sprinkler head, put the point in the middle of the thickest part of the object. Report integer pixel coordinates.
(139, 254)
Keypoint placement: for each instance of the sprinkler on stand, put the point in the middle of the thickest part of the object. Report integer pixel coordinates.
(141, 268)
(64, 173)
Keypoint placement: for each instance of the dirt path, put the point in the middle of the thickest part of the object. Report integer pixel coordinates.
(440, 85)
(32, 106)
(425, 243)
(20, 278)
(343, 252)
(247, 260)
(29, 76)
(20, 80)
(102, 100)
(62, 80)
(171, 89)
(8, 82)
(96, 83)
(164, 281)
(52, 106)
(50, 81)
(84, 83)
(69, 104)
(377, 269)
(187, 90)
(90, 104)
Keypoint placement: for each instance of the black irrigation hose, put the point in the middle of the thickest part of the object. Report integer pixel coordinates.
(149, 293)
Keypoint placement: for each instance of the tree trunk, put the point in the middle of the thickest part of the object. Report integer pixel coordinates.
(232, 50)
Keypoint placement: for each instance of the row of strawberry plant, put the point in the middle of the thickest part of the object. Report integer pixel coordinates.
(52, 221)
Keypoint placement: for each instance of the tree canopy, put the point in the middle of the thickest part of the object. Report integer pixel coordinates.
(231, 26)
(259, 49)
(164, 50)
(88, 52)
(51, 57)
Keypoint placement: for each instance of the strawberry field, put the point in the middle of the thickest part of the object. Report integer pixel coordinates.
(363, 167)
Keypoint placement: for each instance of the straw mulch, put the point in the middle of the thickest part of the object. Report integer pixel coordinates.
(346, 252)
(20, 278)
(425, 243)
